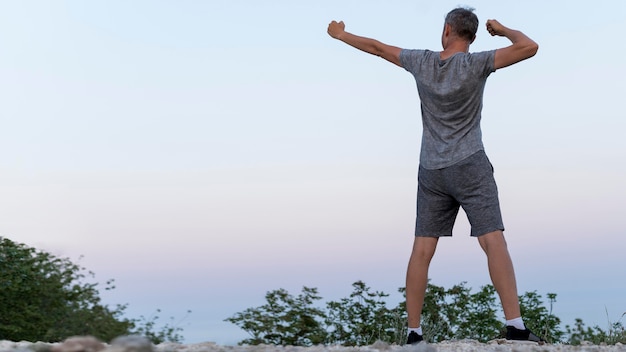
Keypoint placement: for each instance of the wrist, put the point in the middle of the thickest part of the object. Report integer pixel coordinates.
(341, 35)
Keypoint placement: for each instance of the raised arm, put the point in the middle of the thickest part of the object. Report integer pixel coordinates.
(371, 46)
(521, 48)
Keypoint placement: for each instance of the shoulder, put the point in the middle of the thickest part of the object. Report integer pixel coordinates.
(410, 58)
(482, 55)
(414, 53)
(484, 60)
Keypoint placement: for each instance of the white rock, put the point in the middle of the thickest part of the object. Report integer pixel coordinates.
(132, 343)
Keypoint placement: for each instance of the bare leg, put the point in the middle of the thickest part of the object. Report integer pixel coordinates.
(501, 272)
(417, 277)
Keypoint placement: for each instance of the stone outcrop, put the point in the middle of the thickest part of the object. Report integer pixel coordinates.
(141, 344)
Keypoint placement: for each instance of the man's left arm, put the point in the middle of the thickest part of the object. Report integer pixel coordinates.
(521, 48)
(371, 46)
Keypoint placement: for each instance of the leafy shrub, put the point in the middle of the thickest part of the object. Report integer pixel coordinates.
(147, 327)
(364, 317)
(284, 320)
(46, 298)
(614, 334)
(538, 318)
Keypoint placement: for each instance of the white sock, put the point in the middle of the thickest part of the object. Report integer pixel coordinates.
(517, 323)
(418, 330)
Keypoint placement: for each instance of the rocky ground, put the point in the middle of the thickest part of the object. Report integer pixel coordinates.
(140, 344)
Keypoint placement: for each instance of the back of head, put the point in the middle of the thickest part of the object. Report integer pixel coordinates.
(463, 22)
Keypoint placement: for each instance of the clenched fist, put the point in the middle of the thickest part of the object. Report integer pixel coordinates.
(335, 29)
(495, 28)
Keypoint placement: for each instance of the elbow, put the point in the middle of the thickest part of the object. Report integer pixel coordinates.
(377, 50)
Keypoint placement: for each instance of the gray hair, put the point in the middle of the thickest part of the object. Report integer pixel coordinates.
(463, 22)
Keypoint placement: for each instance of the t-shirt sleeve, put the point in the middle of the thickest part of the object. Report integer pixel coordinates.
(484, 62)
(409, 59)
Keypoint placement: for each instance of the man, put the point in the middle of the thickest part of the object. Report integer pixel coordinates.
(454, 170)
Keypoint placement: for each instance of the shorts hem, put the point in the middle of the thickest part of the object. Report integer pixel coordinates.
(482, 233)
(435, 236)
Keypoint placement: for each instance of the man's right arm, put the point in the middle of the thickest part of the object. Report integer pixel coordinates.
(521, 48)
(369, 45)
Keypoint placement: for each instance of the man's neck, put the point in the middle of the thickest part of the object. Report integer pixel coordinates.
(458, 46)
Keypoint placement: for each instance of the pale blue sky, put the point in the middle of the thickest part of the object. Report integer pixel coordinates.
(203, 153)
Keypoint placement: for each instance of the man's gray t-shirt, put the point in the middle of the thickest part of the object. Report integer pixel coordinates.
(451, 95)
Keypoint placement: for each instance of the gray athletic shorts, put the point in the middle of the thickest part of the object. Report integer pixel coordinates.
(469, 184)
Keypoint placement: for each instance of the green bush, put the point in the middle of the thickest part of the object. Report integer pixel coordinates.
(46, 298)
(579, 332)
(284, 320)
(364, 317)
(538, 318)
